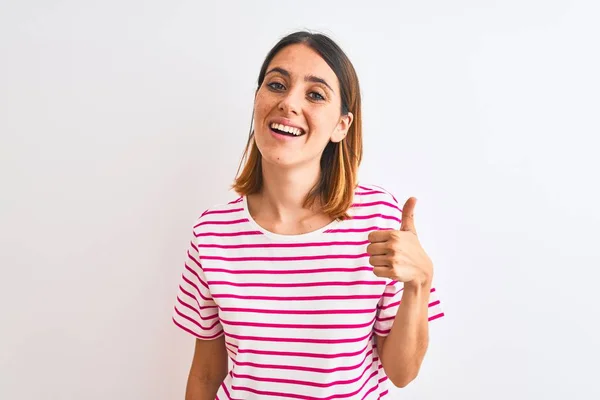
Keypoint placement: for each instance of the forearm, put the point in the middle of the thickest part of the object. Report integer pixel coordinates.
(404, 348)
(201, 389)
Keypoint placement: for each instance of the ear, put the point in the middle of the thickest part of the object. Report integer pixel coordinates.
(342, 127)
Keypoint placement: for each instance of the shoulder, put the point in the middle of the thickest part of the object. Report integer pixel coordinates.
(372, 200)
(220, 214)
(368, 193)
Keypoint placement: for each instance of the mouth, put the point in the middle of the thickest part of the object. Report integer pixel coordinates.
(286, 130)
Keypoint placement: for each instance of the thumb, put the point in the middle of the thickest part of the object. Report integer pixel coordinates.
(408, 220)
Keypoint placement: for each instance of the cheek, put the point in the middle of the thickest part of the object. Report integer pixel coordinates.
(322, 125)
(262, 105)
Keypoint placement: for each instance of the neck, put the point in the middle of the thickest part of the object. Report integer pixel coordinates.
(284, 192)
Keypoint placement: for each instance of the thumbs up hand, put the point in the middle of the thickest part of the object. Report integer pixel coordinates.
(398, 255)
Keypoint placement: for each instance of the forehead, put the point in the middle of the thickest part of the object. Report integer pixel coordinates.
(300, 60)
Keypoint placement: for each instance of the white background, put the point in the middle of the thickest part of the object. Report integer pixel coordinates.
(121, 121)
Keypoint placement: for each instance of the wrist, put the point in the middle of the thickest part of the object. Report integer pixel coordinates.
(418, 285)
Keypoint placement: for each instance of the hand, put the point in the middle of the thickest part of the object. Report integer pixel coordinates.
(398, 255)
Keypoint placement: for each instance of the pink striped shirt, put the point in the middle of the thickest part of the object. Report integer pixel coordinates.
(299, 312)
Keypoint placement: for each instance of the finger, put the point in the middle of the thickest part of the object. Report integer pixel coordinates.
(379, 236)
(377, 249)
(408, 220)
(383, 272)
(380, 261)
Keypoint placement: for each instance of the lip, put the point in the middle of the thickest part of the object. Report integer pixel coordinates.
(286, 122)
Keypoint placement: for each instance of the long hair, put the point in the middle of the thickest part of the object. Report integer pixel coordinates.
(339, 161)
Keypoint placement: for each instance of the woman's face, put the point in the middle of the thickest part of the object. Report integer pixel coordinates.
(300, 94)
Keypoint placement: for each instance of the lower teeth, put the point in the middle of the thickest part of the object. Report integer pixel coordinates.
(284, 133)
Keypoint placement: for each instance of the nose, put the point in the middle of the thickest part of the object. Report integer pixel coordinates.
(290, 103)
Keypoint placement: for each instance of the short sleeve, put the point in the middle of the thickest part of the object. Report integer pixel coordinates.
(390, 299)
(389, 303)
(195, 310)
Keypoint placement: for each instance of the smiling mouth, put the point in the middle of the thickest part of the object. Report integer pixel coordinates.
(286, 131)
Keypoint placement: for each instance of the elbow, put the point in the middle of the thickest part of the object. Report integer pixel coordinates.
(402, 381)
(403, 377)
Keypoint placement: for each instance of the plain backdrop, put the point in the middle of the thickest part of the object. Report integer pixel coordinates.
(121, 121)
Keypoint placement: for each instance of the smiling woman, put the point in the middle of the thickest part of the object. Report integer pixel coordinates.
(313, 285)
(307, 82)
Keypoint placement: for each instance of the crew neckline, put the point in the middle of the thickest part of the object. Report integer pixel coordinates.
(282, 237)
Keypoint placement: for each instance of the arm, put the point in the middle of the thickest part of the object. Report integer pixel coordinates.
(403, 350)
(208, 370)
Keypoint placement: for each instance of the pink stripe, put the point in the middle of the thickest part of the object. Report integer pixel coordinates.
(299, 396)
(296, 298)
(386, 319)
(371, 216)
(368, 192)
(296, 285)
(369, 392)
(183, 303)
(283, 245)
(298, 340)
(231, 350)
(394, 304)
(296, 326)
(297, 258)
(194, 260)
(223, 211)
(190, 295)
(432, 318)
(284, 272)
(198, 324)
(244, 233)
(305, 383)
(437, 316)
(231, 222)
(393, 294)
(398, 302)
(196, 275)
(300, 354)
(194, 297)
(380, 332)
(393, 316)
(354, 230)
(238, 200)
(197, 289)
(196, 334)
(300, 312)
(385, 191)
(307, 369)
(376, 203)
(227, 392)
(193, 246)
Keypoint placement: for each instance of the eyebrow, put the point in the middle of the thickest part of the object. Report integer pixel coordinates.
(307, 78)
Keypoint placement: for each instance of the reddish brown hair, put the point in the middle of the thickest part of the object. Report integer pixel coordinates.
(340, 161)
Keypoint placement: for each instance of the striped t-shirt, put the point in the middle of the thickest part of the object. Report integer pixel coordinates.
(299, 312)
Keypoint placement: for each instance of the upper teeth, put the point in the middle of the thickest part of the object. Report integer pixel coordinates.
(288, 129)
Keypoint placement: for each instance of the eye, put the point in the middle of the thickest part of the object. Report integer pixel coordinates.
(317, 96)
(276, 86)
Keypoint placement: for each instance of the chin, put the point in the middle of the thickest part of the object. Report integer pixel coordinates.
(279, 158)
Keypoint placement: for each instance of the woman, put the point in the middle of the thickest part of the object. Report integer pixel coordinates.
(299, 280)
